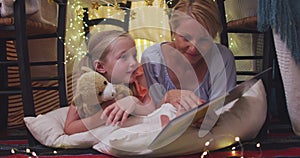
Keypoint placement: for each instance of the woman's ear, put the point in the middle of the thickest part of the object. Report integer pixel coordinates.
(99, 66)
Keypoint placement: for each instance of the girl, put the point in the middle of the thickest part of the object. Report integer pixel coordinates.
(113, 54)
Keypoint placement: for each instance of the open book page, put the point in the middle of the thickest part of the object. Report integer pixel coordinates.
(177, 126)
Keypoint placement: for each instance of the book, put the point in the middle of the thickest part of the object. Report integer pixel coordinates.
(178, 125)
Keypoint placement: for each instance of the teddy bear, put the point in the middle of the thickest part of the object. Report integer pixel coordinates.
(93, 89)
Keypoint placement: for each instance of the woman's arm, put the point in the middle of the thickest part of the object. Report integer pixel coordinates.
(182, 99)
(74, 124)
(152, 63)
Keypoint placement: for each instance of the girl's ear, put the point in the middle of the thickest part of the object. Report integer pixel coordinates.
(99, 66)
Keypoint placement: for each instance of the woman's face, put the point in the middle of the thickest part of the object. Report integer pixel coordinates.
(121, 63)
(192, 40)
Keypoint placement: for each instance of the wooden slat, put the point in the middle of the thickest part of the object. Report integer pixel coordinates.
(45, 101)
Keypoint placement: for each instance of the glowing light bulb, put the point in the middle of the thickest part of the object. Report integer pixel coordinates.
(27, 150)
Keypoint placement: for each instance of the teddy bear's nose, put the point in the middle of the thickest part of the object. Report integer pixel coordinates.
(113, 93)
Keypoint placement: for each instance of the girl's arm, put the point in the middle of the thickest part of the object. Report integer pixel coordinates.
(122, 108)
(130, 104)
(74, 124)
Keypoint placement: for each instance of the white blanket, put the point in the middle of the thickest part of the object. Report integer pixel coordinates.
(244, 120)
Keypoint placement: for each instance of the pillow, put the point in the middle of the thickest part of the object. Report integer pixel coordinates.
(7, 7)
(137, 137)
(48, 129)
(244, 120)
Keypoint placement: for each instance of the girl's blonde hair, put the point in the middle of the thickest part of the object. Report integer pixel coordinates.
(99, 45)
(206, 12)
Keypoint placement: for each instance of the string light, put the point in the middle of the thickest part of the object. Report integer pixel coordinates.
(27, 150)
(232, 145)
(13, 151)
(32, 153)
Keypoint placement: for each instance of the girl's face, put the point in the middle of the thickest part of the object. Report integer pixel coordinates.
(192, 40)
(120, 63)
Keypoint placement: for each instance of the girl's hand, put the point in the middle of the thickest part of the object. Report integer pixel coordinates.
(183, 100)
(119, 110)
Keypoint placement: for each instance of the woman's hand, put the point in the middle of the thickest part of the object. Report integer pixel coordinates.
(119, 110)
(183, 100)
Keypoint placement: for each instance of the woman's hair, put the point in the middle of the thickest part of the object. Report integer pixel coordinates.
(99, 45)
(205, 12)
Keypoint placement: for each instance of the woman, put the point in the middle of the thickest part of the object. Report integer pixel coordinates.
(191, 68)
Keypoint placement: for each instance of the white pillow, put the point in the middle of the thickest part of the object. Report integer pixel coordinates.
(48, 129)
(137, 137)
(244, 120)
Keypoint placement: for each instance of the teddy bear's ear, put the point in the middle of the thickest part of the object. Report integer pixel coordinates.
(86, 69)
